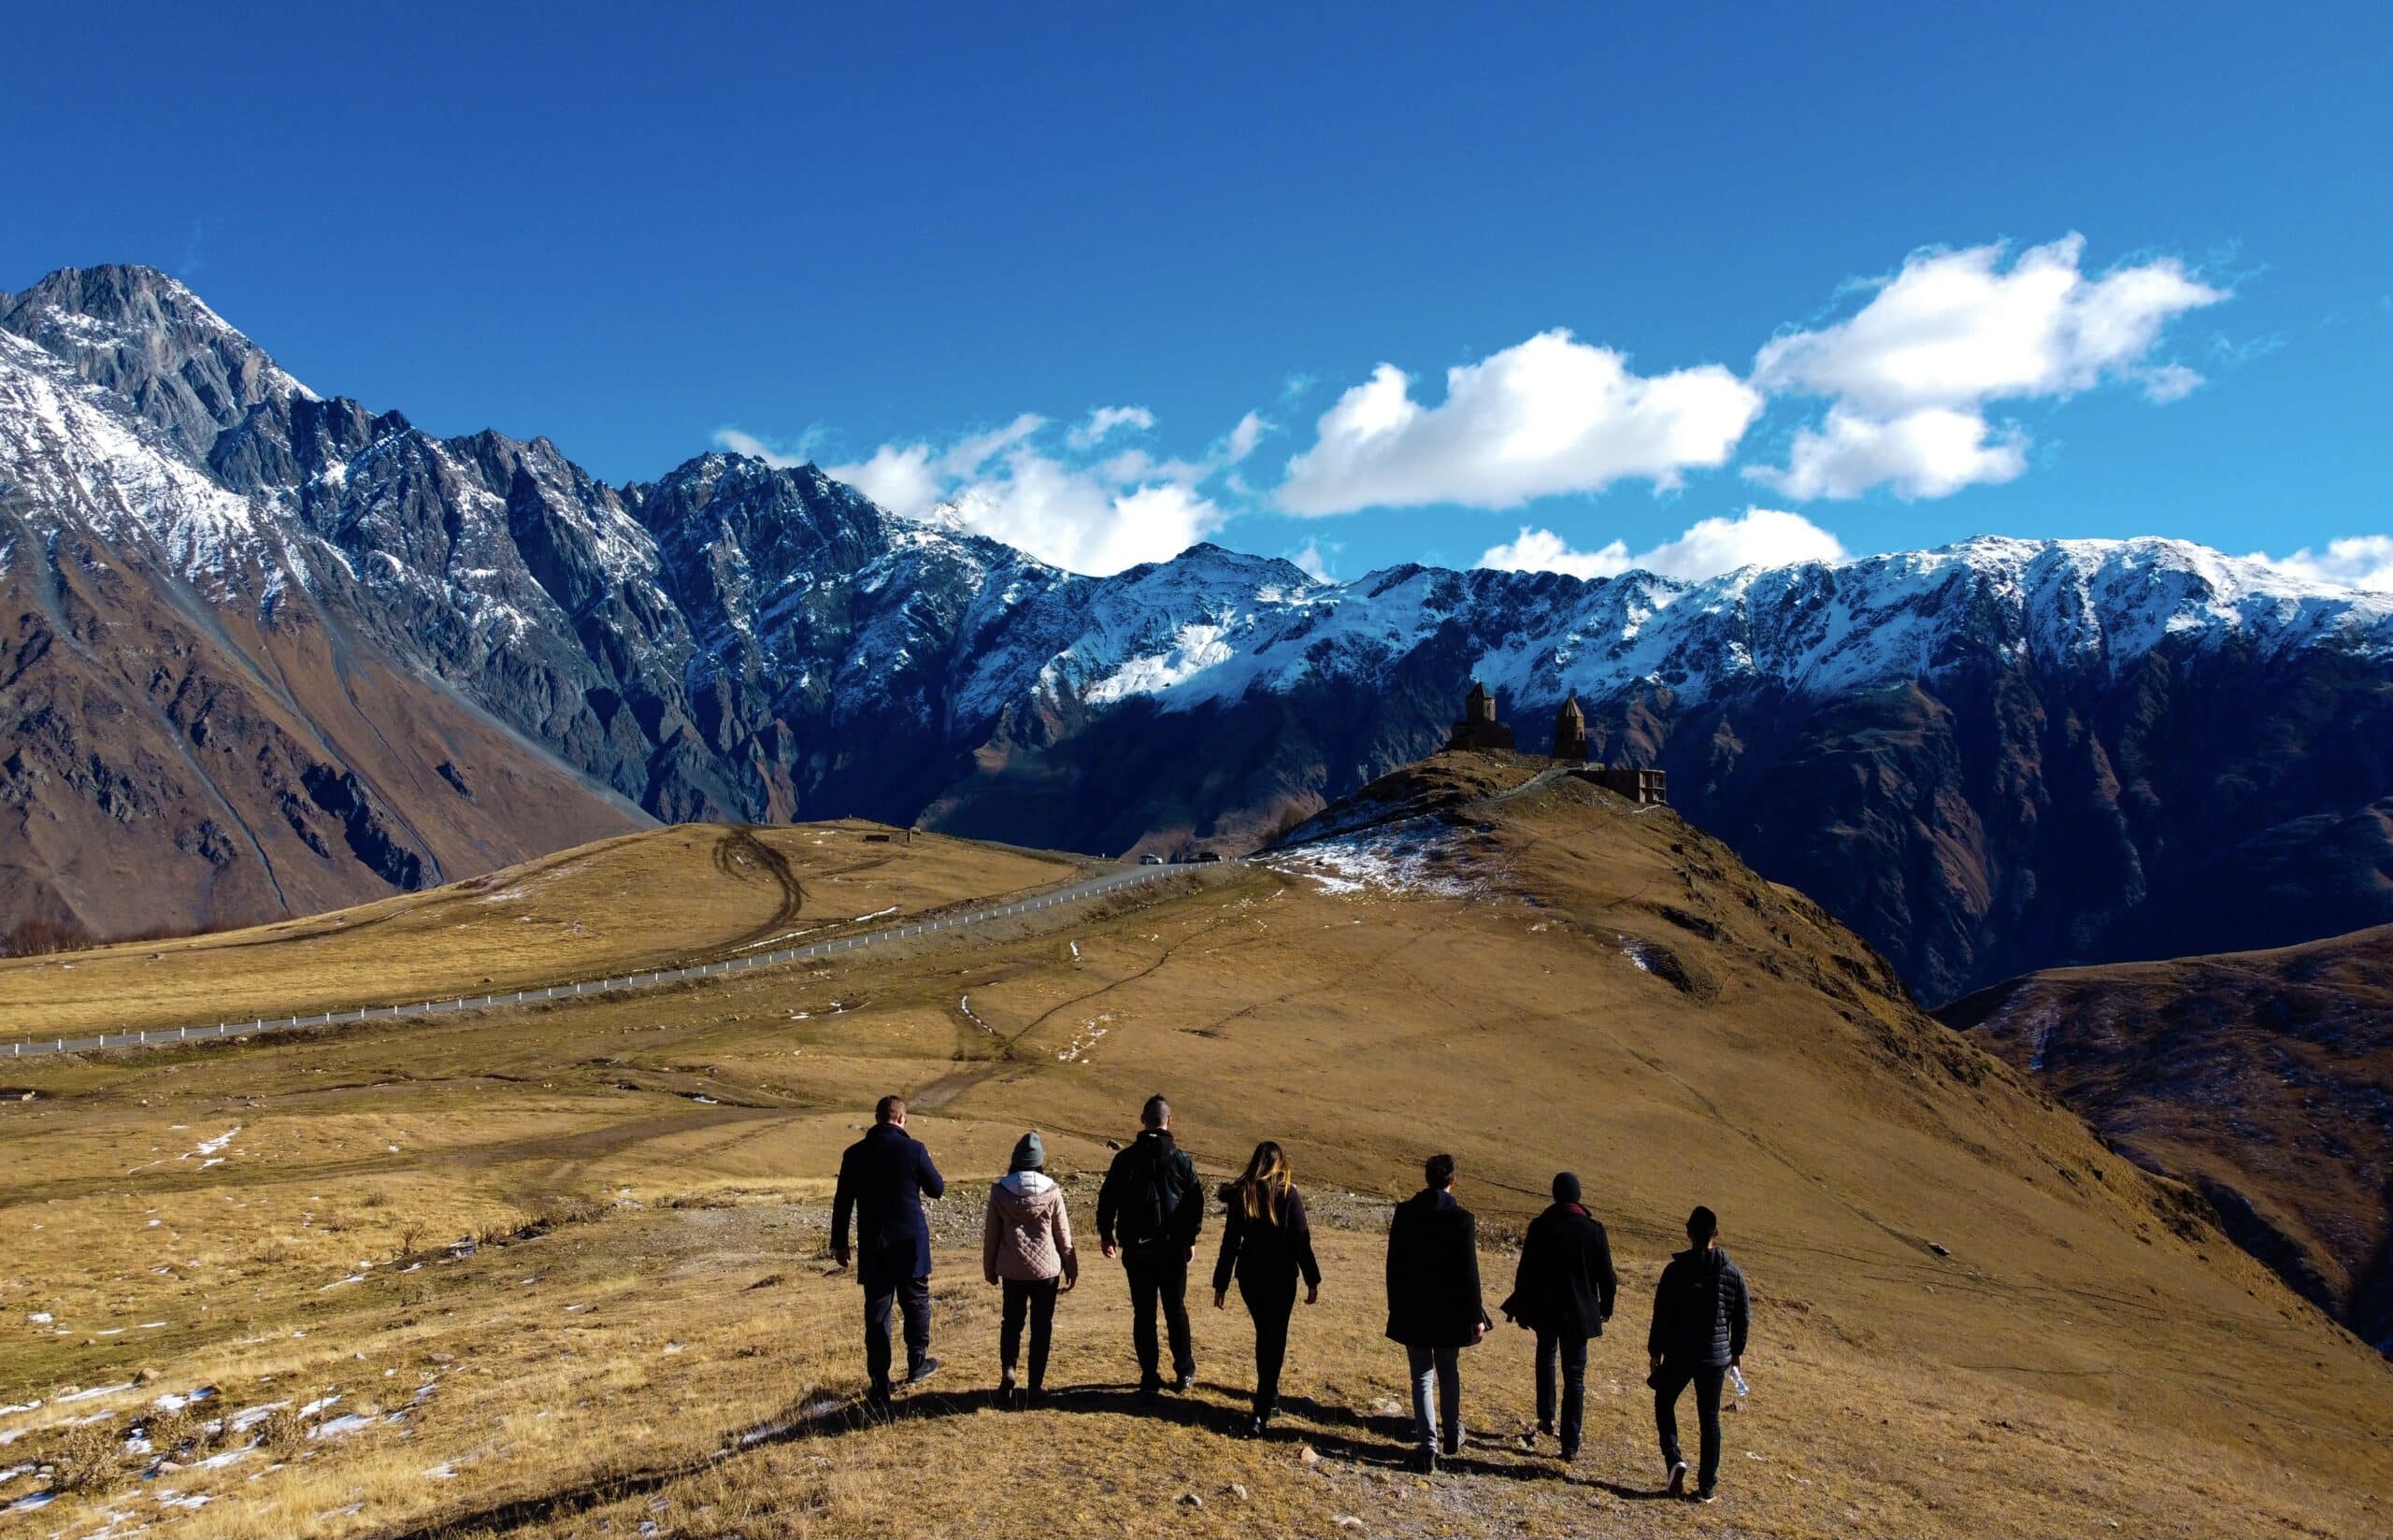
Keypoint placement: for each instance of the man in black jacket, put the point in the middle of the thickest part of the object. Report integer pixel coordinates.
(1563, 1291)
(1433, 1304)
(884, 1178)
(1699, 1336)
(1149, 1212)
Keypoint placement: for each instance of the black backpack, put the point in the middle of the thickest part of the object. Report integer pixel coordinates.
(1152, 1198)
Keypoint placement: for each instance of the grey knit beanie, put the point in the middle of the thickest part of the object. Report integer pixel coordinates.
(1029, 1153)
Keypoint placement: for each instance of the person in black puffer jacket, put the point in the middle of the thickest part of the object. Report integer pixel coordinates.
(1563, 1291)
(1699, 1336)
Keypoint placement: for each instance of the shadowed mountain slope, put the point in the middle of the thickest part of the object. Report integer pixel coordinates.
(2263, 1078)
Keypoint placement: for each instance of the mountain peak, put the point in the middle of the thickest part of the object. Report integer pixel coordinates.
(147, 336)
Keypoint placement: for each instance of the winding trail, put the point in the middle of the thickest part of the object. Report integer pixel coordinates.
(1075, 892)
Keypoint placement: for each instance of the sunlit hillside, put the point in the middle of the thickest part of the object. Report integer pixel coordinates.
(560, 1269)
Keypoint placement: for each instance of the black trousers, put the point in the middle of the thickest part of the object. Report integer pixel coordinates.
(1567, 1351)
(1161, 1280)
(1035, 1299)
(1270, 1304)
(1706, 1379)
(912, 1297)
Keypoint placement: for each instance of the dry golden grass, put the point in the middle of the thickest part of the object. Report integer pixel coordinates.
(2085, 1354)
(659, 898)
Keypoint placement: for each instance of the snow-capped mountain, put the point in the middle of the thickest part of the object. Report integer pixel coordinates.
(1995, 755)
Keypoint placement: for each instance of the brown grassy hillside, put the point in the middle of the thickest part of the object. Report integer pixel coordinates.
(2264, 1078)
(1971, 1319)
(661, 898)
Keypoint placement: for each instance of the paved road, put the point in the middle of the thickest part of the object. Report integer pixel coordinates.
(155, 1036)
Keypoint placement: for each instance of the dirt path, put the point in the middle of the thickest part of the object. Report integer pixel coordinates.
(740, 841)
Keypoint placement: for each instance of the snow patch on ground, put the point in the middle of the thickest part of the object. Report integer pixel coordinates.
(1417, 856)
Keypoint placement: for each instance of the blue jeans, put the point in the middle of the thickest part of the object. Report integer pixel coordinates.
(1437, 1387)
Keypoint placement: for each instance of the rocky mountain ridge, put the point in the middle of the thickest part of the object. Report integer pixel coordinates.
(1933, 743)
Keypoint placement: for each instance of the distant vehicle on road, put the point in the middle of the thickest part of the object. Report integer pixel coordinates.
(1151, 859)
(1209, 855)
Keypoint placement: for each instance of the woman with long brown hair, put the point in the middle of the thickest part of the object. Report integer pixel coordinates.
(1266, 1245)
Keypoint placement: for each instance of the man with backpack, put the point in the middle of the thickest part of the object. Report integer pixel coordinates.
(1149, 1213)
(1699, 1336)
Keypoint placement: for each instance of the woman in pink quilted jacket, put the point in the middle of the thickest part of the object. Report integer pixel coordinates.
(1026, 1246)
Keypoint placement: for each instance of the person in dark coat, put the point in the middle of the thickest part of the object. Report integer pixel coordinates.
(884, 1178)
(1563, 1291)
(1266, 1243)
(1699, 1336)
(1149, 1212)
(1433, 1305)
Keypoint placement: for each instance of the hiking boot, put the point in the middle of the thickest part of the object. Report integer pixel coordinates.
(1425, 1461)
(1150, 1386)
(1255, 1426)
(1186, 1382)
(1678, 1478)
(1454, 1444)
(1706, 1494)
(1008, 1396)
(1569, 1453)
(921, 1370)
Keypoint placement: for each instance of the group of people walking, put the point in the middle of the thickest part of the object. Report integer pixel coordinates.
(1149, 1213)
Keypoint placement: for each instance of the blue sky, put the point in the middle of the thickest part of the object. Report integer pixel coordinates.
(2141, 260)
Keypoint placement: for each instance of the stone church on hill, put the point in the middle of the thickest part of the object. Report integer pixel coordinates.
(1480, 730)
(1571, 732)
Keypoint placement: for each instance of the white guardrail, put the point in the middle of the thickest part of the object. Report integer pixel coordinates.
(159, 1036)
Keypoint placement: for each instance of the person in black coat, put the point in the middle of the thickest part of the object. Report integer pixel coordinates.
(1563, 1291)
(884, 1178)
(1266, 1243)
(1698, 1334)
(1149, 1212)
(1433, 1305)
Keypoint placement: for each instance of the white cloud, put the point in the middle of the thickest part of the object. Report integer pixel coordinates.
(1932, 452)
(969, 454)
(2358, 561)
(2168, 382)
(1758, 537)
(1104, 419)
(1551, 415)
(1248, 433)
(756, 449)
(1076, 520)
(1912, 373)
(1013, 483)
(1542, 550)
(1315, 556)
(901, 480)
(1952, 328)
